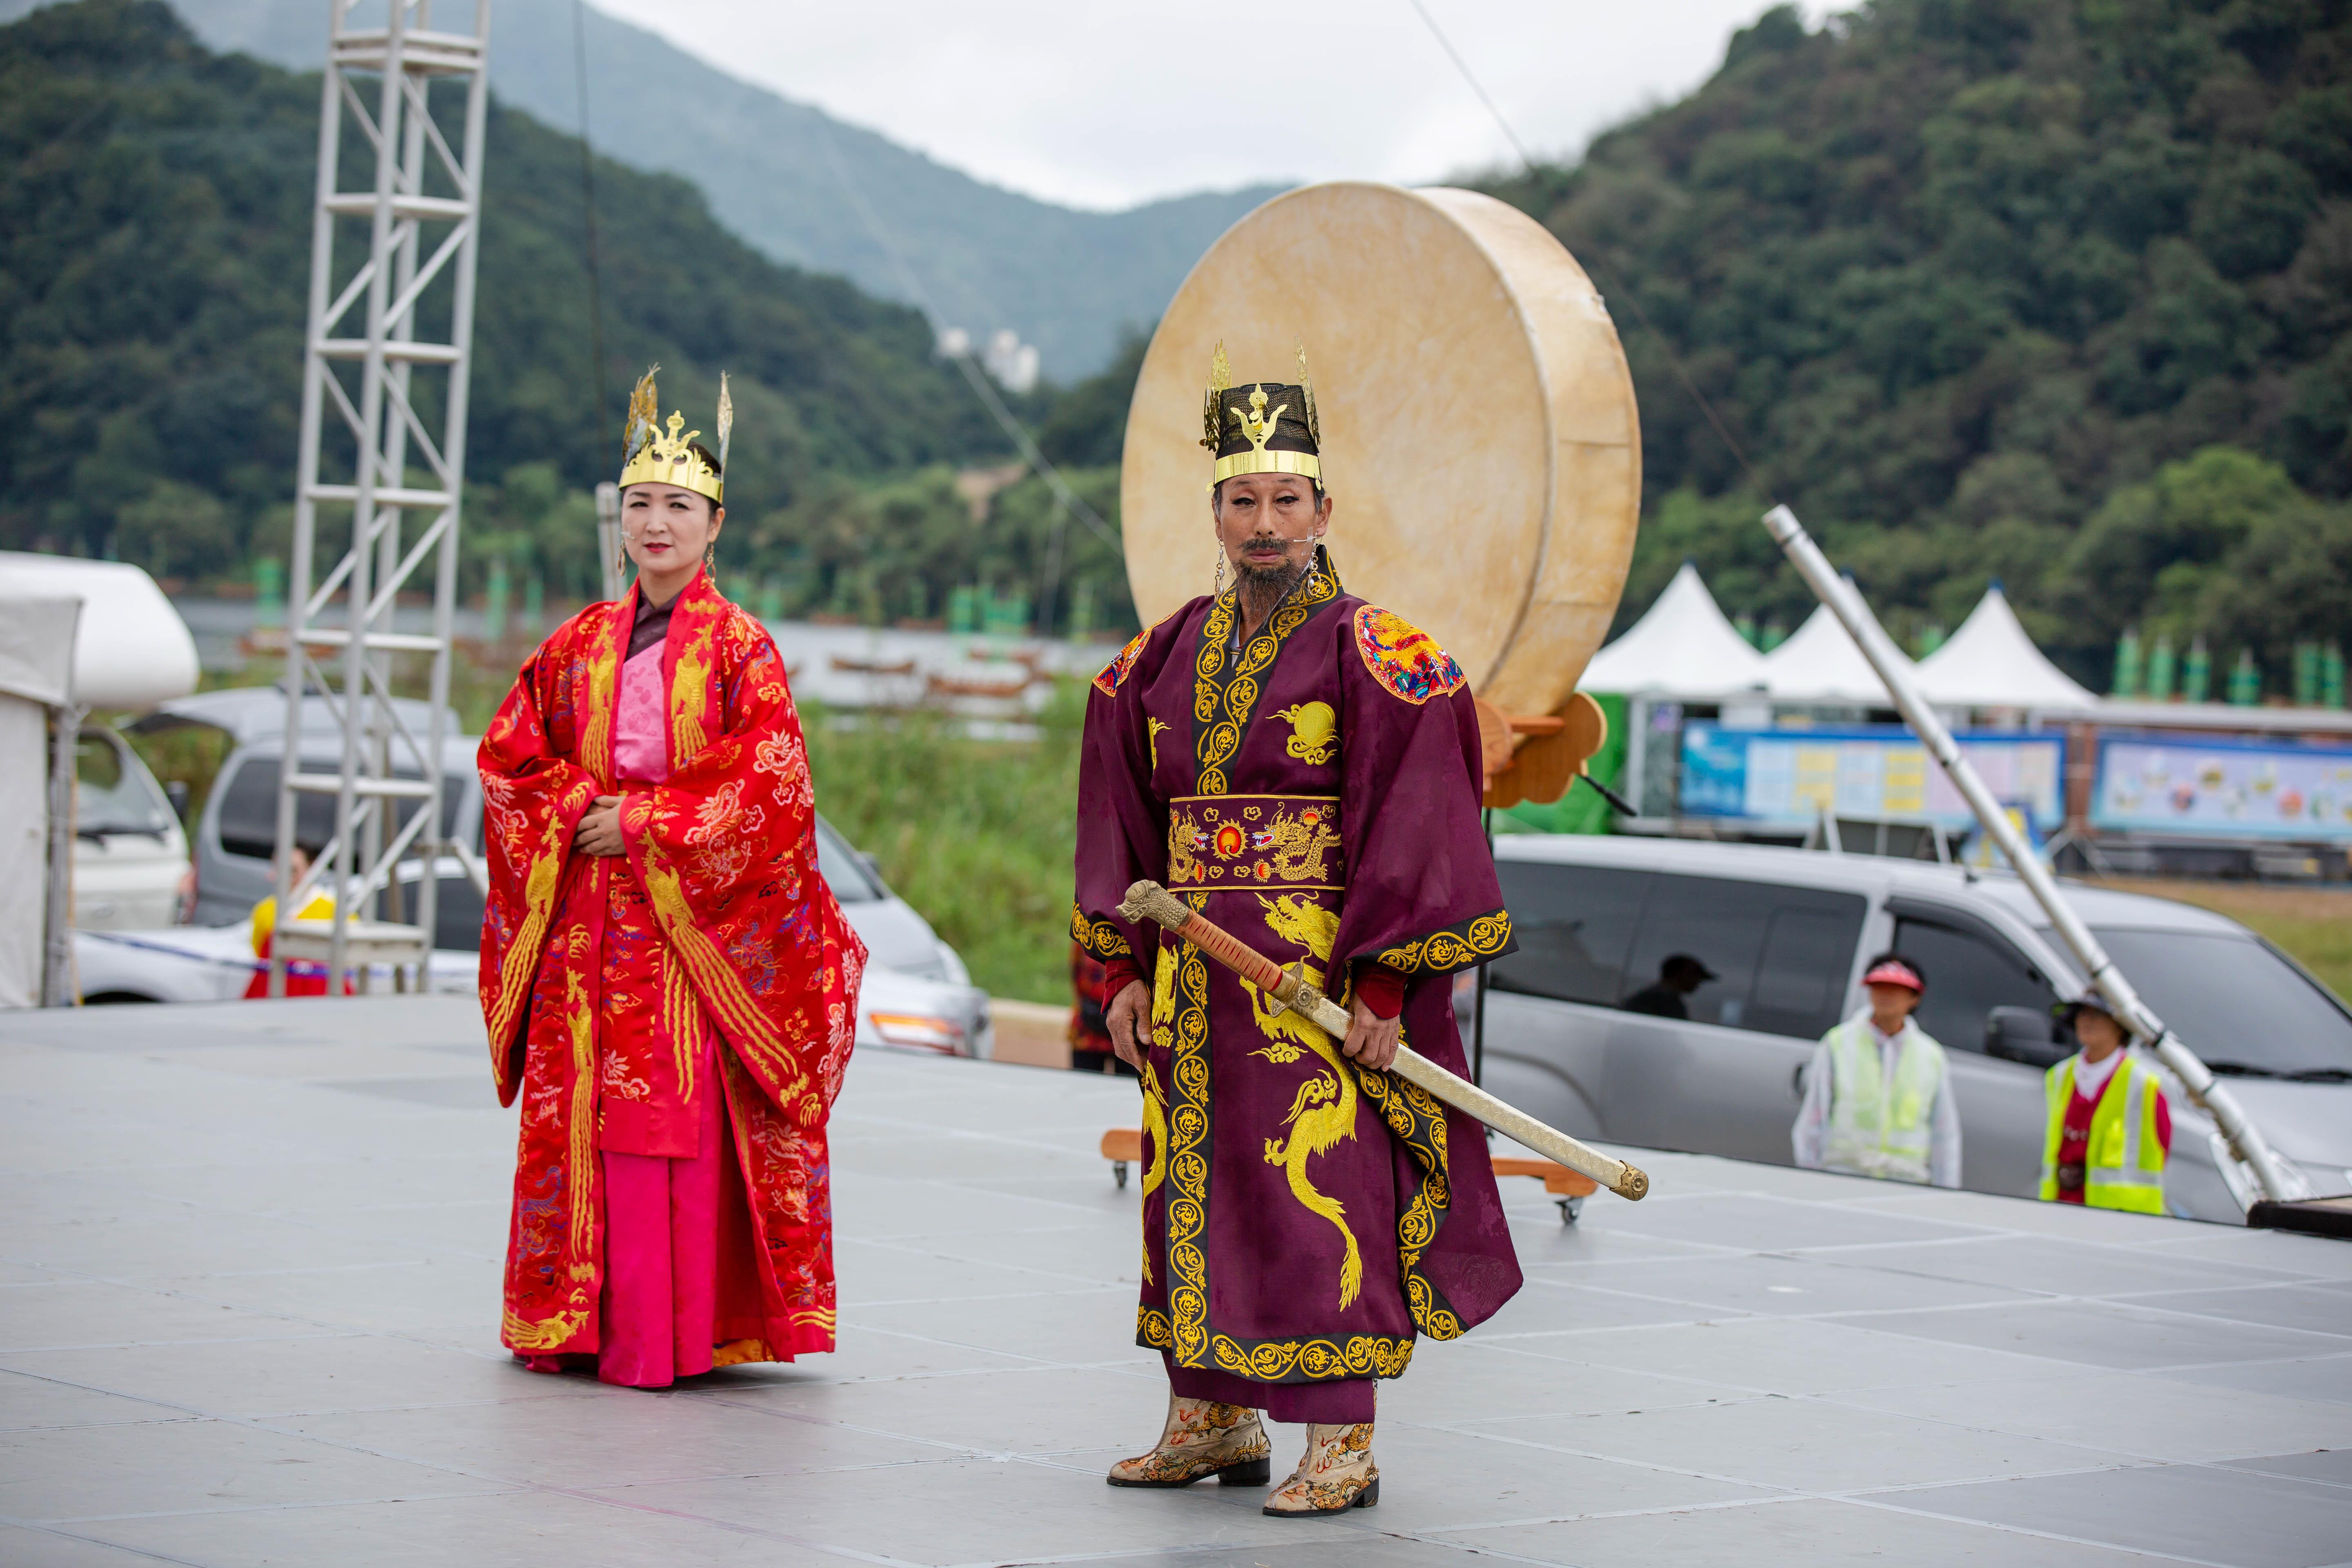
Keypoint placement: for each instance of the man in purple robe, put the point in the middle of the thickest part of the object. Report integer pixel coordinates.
(1302, 768)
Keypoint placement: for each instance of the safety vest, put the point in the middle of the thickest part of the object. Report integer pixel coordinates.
(1878, 1124)
(2125, 1165)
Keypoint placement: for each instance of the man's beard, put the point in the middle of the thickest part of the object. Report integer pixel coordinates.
(1271, 582)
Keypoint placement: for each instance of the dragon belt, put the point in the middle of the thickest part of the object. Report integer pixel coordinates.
(1254, 841)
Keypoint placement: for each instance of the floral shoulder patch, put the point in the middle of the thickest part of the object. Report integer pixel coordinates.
(1403, 658)
(1114, 674)
(1115, 671)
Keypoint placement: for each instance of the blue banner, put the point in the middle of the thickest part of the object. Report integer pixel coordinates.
(1878, 772)
(2223, 789)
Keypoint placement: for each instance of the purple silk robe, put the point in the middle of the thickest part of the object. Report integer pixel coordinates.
(1315, 792)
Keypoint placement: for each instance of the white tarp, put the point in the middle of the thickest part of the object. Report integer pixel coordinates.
(1682, 647)
(1821, 664)
(36, 670)
(132, 650)
(1990, 663)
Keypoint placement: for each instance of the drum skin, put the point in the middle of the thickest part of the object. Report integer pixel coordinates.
(1479, 436)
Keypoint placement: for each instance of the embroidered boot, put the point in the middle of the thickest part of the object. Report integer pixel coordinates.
(1201, 1439)
(1336, 1474)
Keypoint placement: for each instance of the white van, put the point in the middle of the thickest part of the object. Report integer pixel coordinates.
(1574, 1037)
(131, 650)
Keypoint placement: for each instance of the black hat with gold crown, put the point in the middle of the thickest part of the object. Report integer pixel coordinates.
(674, 457)
(1262, 427)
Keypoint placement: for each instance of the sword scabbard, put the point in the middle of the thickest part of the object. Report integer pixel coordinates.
(1149, 900)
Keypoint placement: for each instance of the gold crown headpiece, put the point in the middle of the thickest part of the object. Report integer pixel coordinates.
(1269, 428)
(670, 457)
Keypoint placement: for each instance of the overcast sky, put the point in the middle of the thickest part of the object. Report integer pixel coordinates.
(1105, 103)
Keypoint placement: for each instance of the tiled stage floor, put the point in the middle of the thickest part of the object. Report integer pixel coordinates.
(249, 1278)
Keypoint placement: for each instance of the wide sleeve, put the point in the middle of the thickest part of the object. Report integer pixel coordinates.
(726, 849)
(532, 801)
(1423, 898)
(1122, 836)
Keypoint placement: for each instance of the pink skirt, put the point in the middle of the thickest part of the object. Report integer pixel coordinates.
(680, 1261)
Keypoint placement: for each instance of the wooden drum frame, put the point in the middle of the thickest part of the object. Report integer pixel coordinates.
(1480, 440)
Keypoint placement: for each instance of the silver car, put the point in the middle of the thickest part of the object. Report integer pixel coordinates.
(233, 838)
(1785, 932)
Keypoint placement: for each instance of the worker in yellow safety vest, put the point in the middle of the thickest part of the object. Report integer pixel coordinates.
(2109, 1126)
(1877, 1093)
(303, 980)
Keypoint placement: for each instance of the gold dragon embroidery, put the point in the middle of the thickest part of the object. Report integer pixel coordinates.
(1227, 841)
(1323, 1112)
(1155, 1098)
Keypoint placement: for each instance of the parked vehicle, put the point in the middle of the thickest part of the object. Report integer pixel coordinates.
(235, 835)
(130, 853)
(1784, 933)
(215, 964)
(918, 994)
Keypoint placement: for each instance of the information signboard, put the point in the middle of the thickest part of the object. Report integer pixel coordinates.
(2214, 789)
(1788, 777)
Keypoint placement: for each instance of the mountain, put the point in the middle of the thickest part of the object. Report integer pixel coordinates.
(2058, 292)
(781, 175)
(154, 238)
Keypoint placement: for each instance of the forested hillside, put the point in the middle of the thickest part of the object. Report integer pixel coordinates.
(155, 229)
(2054, 292)
(789, 178)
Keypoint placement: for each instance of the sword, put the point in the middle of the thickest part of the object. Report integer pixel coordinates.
(1149, 900)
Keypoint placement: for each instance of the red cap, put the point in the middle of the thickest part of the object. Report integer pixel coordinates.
(1892, 973)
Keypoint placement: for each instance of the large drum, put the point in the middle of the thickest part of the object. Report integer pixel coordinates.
(1479, 436)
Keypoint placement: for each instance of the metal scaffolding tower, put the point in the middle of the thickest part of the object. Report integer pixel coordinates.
(381, 312)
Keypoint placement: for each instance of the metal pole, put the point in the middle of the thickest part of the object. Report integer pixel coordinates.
(1478, 986)
(608, 539)
(57, 989)
(2276, 1180)
(452, 454)
(299, 609)
(365, 483)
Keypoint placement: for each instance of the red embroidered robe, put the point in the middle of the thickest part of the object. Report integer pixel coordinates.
(601, 974)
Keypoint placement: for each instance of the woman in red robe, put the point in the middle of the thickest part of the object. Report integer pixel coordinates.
(668, 984)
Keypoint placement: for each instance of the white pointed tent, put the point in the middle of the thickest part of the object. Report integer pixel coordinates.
(1821, 664)
(1682, 647)
(1991, 662)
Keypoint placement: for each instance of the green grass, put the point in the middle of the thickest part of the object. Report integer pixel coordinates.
(977, 834)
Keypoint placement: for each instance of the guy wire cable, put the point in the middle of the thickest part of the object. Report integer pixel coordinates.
(1006, 421)
(1528, 167)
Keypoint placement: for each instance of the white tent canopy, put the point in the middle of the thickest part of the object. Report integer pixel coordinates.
(1821, 664)
(1991, 662)
(1682, 647)
(132, 649)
